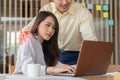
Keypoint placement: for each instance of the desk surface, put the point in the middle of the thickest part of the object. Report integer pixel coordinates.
(112, 68)
(43, 77)
(99, 77)
(50, 77)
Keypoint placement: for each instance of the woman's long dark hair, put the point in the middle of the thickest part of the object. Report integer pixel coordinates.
(50, 47)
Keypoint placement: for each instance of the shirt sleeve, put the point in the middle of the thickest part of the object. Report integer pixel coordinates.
(86, 26)
(29, 25)
(27, 55)
(43, 70)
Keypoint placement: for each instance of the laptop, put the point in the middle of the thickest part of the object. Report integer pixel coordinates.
(94, 58)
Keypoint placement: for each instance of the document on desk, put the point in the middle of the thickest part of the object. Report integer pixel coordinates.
(45, 77)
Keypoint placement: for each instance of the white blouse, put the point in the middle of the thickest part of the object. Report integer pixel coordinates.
(30, 51)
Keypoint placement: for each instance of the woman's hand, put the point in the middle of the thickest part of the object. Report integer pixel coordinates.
(57, 70)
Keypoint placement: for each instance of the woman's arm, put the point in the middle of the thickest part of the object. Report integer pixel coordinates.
(57, 70)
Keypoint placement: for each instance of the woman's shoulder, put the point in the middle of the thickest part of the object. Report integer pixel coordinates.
(30, 39)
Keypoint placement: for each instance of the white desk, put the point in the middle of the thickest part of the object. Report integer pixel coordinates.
(50, 77)
(45, 77)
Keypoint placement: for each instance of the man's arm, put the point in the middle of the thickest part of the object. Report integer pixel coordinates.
(26, 30)
(29, 26)
(86, 27)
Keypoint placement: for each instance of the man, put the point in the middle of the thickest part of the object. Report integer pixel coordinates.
(76, 24)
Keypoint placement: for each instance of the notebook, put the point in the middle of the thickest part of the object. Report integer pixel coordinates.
(94, 58)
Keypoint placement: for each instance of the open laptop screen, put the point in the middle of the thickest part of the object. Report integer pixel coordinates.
(94, 58)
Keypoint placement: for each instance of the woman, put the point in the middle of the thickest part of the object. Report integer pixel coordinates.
(41, 46)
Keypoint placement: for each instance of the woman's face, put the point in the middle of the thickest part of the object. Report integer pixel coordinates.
(62, 5)
(46, 28)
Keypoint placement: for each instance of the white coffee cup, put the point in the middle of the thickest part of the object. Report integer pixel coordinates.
(33, 70)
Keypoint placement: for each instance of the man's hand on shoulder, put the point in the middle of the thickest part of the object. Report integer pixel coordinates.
(23, 36)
